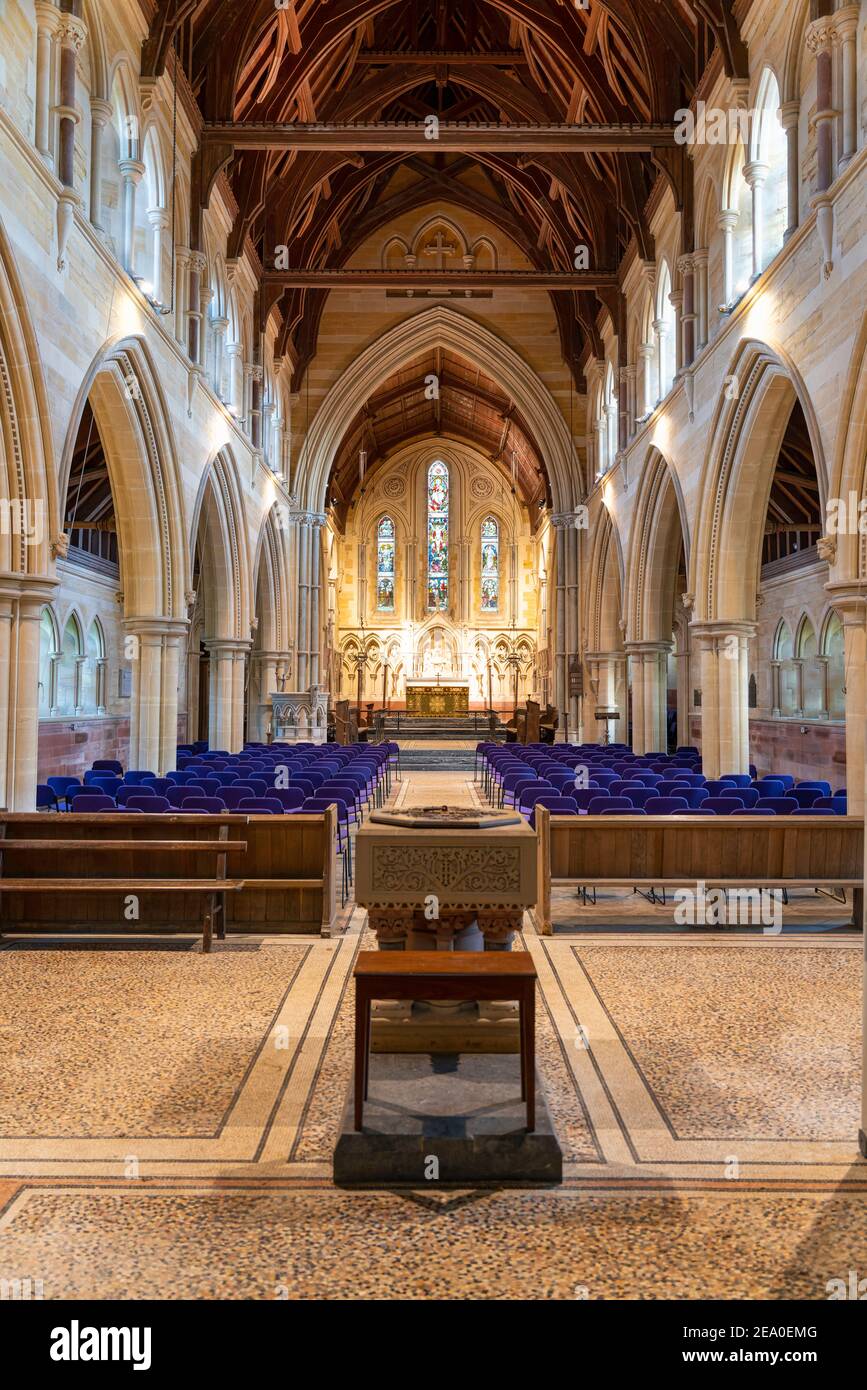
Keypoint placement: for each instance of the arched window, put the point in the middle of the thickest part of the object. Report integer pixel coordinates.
(737, 224)
(490, 565)
(437, 537)
(68, 669)
(91, 696)
(385, 566)
(610, 409)
(47, 651)
(666, 330)
(769, 173)
(834, 652)
(786, 696)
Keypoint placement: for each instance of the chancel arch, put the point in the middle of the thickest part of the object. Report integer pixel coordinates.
(442, 328)
(435, 546)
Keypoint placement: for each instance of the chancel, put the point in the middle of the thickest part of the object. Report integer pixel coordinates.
(433, 655)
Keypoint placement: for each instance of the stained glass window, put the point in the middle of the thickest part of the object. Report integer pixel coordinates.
(385, 566)
(490, 565)
(438, 537)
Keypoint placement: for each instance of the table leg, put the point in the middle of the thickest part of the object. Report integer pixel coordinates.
(528, 1013)
(367, 1027)
(360, 1007)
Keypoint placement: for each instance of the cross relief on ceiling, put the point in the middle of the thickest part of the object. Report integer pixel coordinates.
(439, 244)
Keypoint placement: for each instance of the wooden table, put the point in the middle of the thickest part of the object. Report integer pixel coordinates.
(492, 975)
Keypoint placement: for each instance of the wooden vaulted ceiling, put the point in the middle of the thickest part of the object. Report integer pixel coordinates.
(540, 63)
(794, 517)
(467, 406)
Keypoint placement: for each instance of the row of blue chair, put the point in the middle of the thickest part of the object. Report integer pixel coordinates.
(524, 777)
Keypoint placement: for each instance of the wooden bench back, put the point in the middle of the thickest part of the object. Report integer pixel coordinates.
(668, 850)
(285, 847)
(278, 848)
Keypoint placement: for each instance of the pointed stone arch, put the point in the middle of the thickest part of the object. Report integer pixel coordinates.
(271, 655)
(224, 596)
(130, 411)
(134, 421)
(658, 538)
(745, 436)
(28, 535)
(438, 327)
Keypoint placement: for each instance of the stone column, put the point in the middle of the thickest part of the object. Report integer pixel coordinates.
(78, 682)
(700, 263)
(48, 19)
(316, 524)
(54, 659)
(100, 115)
(159, 220)
(611, 432)
(145, 715)
(573, 611)
(845, 23)
(256, 375)
(852, 607)
(776, 689)
(174, 638)
(234, 353)
(688, 317)
(101, 678)
(683, 686)
(132, 173)
(562, 525)
(820, 39)
(727, 221)
(71, 37)
(194, 306)
(21, 604)
(226, 713)
(72, 33)
(756, 175)
(790, 112)
(724, 648)
(660, 328)
(649, 666)
(268, 433)
(675, 299)
(303, 630)
(798, 663)
(631, 378)
(220, 329)
(182, 281)
(645, 358)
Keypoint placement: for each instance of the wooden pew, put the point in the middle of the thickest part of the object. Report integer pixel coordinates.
(61, 873)
(273, 874)
(289, 872)
(727, 852)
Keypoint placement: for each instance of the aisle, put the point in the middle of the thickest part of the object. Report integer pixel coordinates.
(435, 788)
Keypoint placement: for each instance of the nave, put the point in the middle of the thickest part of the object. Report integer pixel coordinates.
(700, 1160)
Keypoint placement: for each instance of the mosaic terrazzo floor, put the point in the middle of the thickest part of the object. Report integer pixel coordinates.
(167, 1119)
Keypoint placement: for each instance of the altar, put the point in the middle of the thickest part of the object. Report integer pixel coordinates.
(449, 697)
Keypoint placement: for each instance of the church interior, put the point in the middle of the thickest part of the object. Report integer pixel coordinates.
(433, 649)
